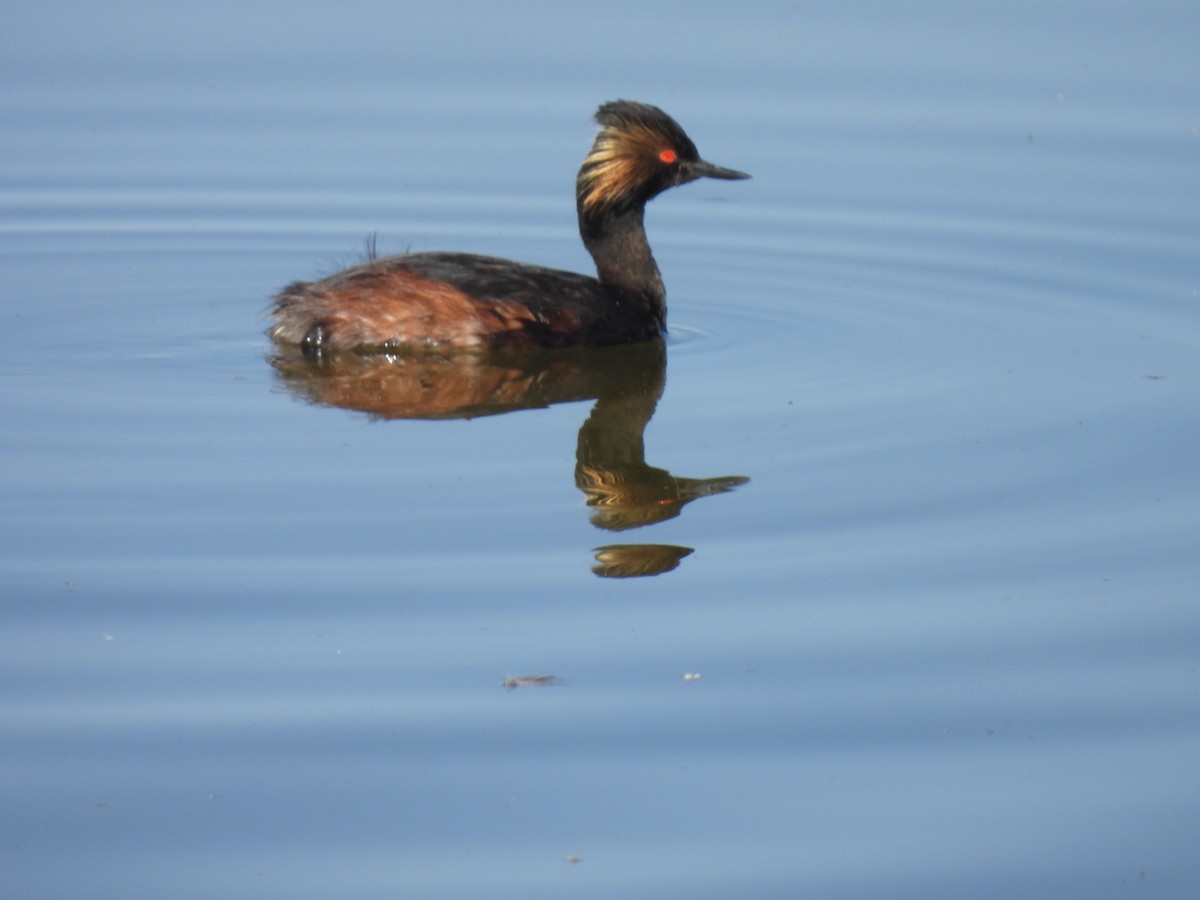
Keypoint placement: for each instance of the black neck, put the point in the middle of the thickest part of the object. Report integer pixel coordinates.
(616, 238)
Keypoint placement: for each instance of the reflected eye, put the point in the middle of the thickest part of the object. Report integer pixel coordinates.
(668, 156)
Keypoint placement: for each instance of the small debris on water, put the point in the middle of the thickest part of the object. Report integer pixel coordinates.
(574, 859)
(512, 682)
(691, 676)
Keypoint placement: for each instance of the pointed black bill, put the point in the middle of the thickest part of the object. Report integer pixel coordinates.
(702, 169)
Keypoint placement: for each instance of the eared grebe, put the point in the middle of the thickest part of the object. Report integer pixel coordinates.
(451, 300)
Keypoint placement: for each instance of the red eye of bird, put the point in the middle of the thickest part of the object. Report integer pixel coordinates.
(668, 156)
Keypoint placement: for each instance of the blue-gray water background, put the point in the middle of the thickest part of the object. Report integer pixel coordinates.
(946, 635)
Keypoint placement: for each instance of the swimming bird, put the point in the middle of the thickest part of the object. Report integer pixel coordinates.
(446, 300)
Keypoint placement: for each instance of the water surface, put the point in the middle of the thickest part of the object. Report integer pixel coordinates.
(878, 578)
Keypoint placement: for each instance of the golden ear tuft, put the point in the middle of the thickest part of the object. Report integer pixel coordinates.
(620, 162)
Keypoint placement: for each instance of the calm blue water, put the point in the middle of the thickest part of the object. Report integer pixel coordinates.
(917, 468)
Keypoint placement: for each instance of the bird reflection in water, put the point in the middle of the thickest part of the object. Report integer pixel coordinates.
(623, 492)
